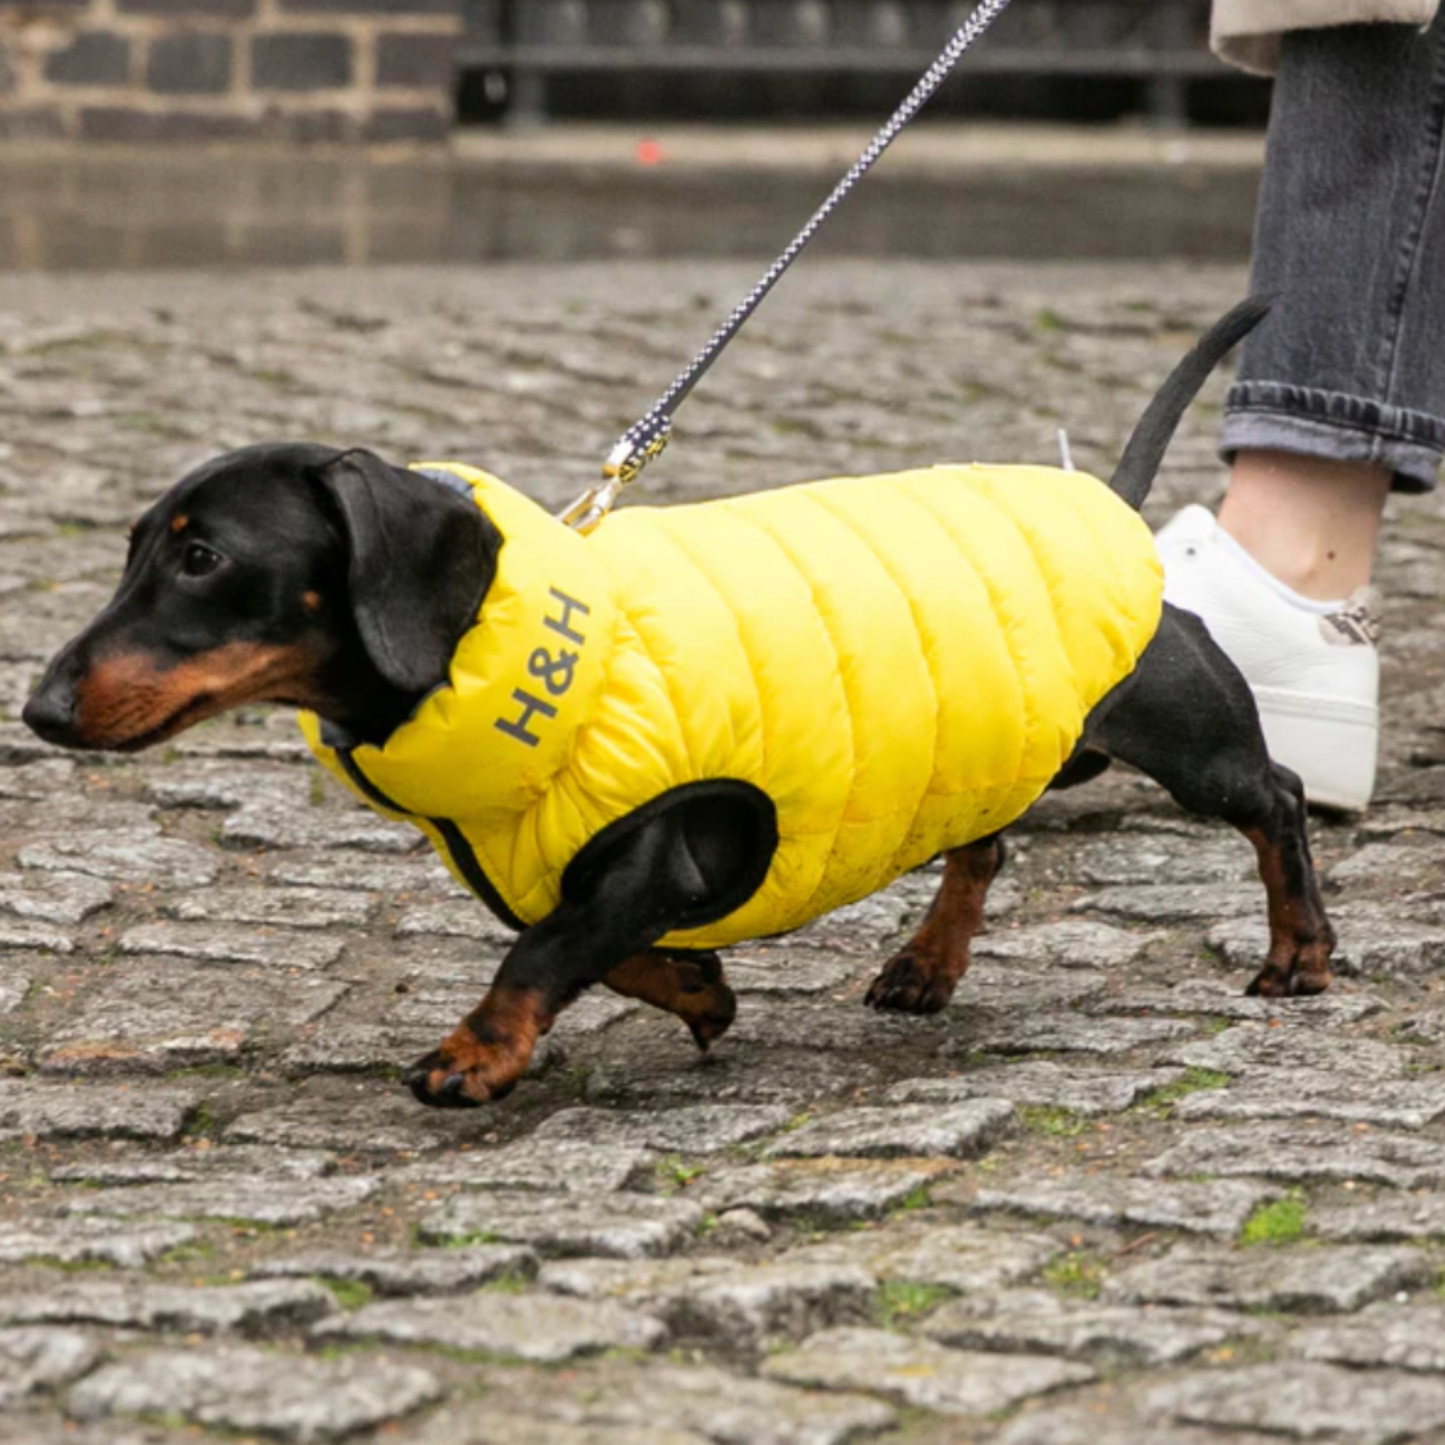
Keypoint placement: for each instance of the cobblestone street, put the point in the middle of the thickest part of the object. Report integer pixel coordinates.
(1104, 1199)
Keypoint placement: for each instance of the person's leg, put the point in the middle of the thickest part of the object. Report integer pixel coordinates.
(1311, 522)
(1340, 393)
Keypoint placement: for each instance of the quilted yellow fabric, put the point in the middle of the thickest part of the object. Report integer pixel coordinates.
(901, 663)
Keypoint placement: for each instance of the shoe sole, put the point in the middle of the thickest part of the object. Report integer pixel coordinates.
(1330, 743)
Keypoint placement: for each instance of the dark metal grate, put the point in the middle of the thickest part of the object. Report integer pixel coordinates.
(1164, 41)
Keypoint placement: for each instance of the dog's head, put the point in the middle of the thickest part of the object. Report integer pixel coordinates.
(286, 573)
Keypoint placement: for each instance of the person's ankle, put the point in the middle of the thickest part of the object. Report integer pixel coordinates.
(1310, 522)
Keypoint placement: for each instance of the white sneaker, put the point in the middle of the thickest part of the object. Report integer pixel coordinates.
(1312, 666)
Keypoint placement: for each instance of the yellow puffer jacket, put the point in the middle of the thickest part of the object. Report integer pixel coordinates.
(899, 663)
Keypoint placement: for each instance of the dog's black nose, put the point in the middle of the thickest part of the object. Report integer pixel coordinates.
(51, 711)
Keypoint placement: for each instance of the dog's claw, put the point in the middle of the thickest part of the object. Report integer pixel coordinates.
(906, 987)
(449, 1091)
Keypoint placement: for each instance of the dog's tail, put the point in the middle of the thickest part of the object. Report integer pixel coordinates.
(1135, 473)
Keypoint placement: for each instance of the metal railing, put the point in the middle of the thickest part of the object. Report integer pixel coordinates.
(1162, 42)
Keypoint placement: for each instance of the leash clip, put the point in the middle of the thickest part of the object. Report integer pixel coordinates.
(624, 463)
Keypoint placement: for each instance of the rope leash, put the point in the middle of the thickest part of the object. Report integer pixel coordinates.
(646, 438)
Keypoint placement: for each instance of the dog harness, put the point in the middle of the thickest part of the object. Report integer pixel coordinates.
(887, 666)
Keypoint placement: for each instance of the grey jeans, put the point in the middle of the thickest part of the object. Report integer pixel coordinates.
(1350, 235)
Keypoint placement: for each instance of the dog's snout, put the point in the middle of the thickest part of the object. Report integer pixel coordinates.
(50, 713)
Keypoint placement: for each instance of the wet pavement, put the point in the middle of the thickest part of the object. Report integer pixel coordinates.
(566, 194)
(1103, 1197)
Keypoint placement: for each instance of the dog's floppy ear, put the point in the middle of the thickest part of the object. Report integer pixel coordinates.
(422, 558)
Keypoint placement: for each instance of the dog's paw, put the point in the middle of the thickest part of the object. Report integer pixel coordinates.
(908, 985)
(1292, 982)
(462, 1078)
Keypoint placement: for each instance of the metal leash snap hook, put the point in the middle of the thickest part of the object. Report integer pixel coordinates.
(645, 440)
(633, 452)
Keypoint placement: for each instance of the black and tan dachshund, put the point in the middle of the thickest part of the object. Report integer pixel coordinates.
(330, 580)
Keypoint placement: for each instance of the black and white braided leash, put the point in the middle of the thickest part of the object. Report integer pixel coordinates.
(646, 438)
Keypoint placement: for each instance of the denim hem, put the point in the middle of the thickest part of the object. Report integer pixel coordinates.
(1280, 416)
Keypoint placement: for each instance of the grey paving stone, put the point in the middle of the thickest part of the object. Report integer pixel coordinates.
(376, 1120)
(1103, 1419)
(1174, 902)
(765, 1023)
(121, 858)
(88, 1241)
(390, 1272)
(721, 1303)
(993, 986)
(482, 1424)
(1313, 1093)
(347, 1047)
(32, 1428)
(921, 1374)
(1406, 1336)
(724, 1408)
(199, 1162)
(210, 783)
(1069, 1034)
(422, 874)
(1385, 1217)
(157, 1014)
(1373, 942)
(689, 1129)
(85, 1111)
(1186, 858)
(288, 907)
(1296, 1044)
(827, 1191)
(1072, 943)
(270, 824)
(1082, 1090)
(864, 927)
(781, 1073)
(1216, 1207)
(1305, 1151)
(962, 1131)
(544, 1329)
(32, 1360)
(1110, 1336)
(1344, 1003)
(246, 1389)
(54, 897)
(252, 1197)
(14, 986)
(962, 1257)
(218, 943)
(37, 780)
(1305, 1401)
(786, 970)
(21, 935)
(1413, 865)
(533, 1163)
(623, 1227)
(1298, 1279)
(259, 1308)
(454, 918)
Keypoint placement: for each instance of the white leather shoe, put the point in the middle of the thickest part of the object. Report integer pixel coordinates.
(1312, 666)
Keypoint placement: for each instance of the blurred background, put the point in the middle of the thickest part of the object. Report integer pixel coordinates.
(356, 131)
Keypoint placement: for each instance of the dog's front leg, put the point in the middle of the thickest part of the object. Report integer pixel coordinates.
(634, 897)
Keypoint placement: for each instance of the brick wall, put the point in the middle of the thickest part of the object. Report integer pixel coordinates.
(199, 70)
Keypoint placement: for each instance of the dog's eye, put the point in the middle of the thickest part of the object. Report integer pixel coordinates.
(199, 560)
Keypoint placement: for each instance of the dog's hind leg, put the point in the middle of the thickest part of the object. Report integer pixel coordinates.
(921, 976)
(690, 985)
(1186, 717)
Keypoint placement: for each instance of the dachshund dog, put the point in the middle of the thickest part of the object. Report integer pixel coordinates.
(451, 677)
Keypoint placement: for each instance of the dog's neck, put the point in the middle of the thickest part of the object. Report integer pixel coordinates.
(357, 704)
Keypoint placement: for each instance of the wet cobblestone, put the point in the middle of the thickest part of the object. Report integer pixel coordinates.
(1104, 1199)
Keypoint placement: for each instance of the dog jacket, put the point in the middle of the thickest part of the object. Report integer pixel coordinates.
(888, 666)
